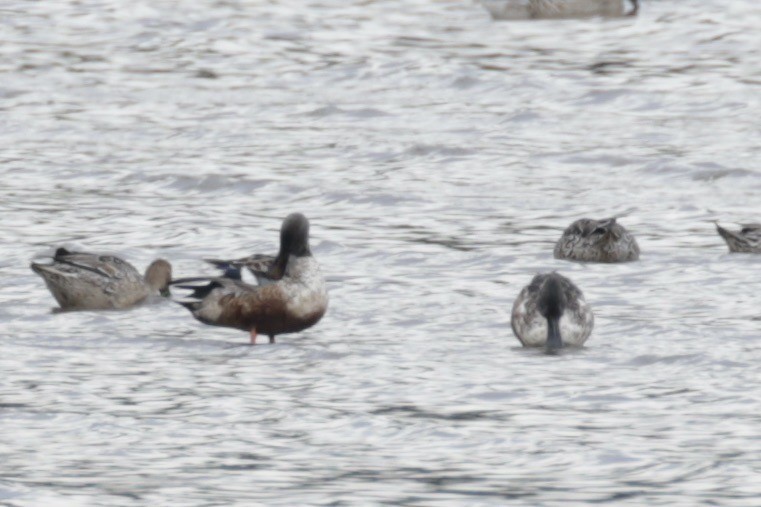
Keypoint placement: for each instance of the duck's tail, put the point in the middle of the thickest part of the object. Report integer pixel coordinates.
(552, 299)
(735, 242)
(46, 271)
(551, 304)
(199, 288)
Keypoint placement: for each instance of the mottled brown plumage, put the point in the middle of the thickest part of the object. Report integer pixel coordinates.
(589, 240)
(87, 281)
(558, 9)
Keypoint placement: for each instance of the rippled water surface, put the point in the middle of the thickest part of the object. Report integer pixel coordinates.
(439, 154)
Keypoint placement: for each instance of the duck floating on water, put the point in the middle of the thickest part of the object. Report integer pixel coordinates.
(589, 240)
(558, 9)
(88, 281)
(551, 312)
(746, 240)
(291, 294)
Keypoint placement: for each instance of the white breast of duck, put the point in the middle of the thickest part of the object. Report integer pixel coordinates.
(304, 288)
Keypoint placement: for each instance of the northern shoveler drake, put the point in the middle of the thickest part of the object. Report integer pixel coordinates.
(558, 9)
(291, 294)
(87, 281)
(590, 240)
(551, 312)
(746, 240)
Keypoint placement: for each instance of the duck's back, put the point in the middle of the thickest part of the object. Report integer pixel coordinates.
(305, 290)
(548, 9)
(554, 9)
(84, 281)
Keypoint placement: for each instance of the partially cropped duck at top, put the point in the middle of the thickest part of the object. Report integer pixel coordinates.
(551, 312)
(558, 9)
(87, 281)
(746, 240)
(590, 240)
(290, 296)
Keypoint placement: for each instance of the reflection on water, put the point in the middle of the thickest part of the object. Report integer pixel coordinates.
(439, 155)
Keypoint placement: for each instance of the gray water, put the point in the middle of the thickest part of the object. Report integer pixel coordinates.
(439, 155)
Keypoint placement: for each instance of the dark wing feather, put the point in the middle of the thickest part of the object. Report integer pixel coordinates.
(751, 229)
(261, 266)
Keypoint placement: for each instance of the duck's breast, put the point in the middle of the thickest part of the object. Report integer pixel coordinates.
(305, 289)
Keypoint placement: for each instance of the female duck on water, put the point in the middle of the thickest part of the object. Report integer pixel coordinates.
(746, 240)
(290, 296)
(551, 312)
(86, 281)
(558, 9)
(590, 240)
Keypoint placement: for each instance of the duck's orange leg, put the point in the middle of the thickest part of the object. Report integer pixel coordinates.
(253, 336)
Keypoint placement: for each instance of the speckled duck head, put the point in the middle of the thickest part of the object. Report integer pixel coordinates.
(589, 240)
